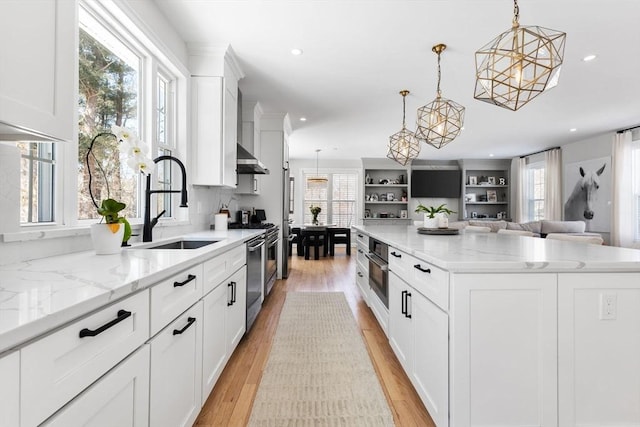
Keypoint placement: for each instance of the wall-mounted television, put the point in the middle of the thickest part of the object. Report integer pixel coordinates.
(442, 183)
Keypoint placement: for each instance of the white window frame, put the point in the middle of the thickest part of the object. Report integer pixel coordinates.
(529, 186)
(327, 216)
(635, 174)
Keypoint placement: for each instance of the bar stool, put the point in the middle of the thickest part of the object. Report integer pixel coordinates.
(315, 239)
(339, 235)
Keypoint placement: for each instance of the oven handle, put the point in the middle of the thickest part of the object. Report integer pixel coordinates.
(256, 247)
(275, 242)
(383, 267)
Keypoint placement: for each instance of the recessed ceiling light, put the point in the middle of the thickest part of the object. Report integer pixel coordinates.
(303, 119)
(589, 58)
(573, 130)
(296, 51)
(490, 155)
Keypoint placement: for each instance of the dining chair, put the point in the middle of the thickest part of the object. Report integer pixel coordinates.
(339, 235)
(314, 238)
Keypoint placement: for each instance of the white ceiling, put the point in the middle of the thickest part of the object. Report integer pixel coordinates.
(359, 54)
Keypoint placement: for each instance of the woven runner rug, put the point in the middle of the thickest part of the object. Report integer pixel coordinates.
(319, 372)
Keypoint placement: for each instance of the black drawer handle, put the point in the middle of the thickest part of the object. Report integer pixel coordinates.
(403, 308)
(122, 314)
(396, 255)
(230, 302)
(233, 292)
(360, 251)
(190, 277)
(360, 274)
(406, 313)
(360, 236)
(190, 321)
(424, 270)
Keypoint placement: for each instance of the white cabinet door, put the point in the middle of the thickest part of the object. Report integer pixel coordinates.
(214, 337)
(230, 131)
(207, 130)
(236, 308)
(10, 390)
(400, 321)
(38, 84)
(120, 398)
(431, 357)
(599, 349)
(176, 371)
(503, 364)
(58, 367)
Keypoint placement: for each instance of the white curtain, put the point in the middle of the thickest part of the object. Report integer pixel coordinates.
(622, 227)
(518, 170)
(553, 185)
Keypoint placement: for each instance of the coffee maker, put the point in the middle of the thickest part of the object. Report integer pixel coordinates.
(242, 217)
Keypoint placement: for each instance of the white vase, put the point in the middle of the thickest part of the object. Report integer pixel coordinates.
(443, 221)
(105, 240)
(430, 222)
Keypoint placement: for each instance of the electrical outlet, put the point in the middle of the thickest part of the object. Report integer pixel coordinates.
(608, 306)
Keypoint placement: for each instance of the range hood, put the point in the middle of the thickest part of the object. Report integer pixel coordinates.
(247, 164)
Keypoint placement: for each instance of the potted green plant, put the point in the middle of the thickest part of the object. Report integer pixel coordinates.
(108, 236)
(435, 217)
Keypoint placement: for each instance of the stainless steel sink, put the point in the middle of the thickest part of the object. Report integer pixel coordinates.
(183, 244)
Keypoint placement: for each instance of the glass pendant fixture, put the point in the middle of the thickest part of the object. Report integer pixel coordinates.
(441, 121)
(403, 145)
(317, 181)
(519, 64)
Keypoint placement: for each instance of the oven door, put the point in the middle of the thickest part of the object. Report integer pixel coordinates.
(379, 277)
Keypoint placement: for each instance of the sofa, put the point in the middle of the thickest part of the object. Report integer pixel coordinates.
(540, 228)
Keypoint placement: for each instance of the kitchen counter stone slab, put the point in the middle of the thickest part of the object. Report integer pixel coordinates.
(470, 252)
(41, 295)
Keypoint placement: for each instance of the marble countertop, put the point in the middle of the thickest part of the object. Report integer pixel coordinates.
(493, 252)
(40, 295)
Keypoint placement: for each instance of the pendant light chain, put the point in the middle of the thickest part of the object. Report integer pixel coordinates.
(516, 14)
(438, 92)
(404, 109)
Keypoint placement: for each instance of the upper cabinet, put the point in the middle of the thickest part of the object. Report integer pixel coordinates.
(38, 75)
(214, 112)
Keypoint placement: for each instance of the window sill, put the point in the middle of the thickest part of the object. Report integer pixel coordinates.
(42, 232)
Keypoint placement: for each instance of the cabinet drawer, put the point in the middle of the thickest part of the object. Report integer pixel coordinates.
(362, 280)
(363, 262)
(117, 399)
(362, 239)
(174, 295)
(429, 280)
(216, 270)
(56, 368)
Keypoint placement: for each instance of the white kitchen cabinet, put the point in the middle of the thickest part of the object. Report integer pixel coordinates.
(430, 375)
(362, 266)
(59, 366)
(10, 390)
(176, 371)
(503, 365)
(120, 398)
(599, 365)
(401, 327)
(38, 76)
(222, 266)
(236, 308)
(214, 337)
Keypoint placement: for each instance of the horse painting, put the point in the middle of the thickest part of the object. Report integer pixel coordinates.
(580, 204)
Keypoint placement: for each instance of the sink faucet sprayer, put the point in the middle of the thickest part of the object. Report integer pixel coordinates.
(148, 222)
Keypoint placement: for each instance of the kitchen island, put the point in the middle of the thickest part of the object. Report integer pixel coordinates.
(509, 330)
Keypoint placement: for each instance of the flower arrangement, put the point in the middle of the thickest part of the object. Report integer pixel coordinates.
(138, 160)
(315, 211)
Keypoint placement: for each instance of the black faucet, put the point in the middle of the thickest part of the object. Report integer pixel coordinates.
(148, 222)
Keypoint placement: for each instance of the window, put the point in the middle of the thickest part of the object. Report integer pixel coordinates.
(337, 199)
(37, 182)
(635, 162)
(535, 191)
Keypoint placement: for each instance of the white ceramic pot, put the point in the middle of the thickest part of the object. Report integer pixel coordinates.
(443, 221)
(107, 238)
(430, 222)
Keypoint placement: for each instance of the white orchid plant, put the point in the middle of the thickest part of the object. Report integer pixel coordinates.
(138, 160)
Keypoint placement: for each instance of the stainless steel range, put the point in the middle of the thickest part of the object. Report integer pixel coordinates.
(271, 243)
(256, 258)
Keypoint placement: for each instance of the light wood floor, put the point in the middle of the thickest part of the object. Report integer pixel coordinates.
(231, 400)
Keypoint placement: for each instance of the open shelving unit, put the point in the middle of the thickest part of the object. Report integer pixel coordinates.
(384, 181)
(486, 191)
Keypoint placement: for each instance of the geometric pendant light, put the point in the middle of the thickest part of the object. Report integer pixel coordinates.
(403, 145)
(519, 64)
(317, 181)
(441, 121)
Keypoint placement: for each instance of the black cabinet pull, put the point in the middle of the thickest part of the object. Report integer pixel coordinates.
(190, 277)
(233, 292)
(407, 305)
(424, 270)
(360, 236)
(403, 309)
(396, 255)
(360, 250)
(190, 321)
(122, 314)
(360, 274)
(230, 302)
